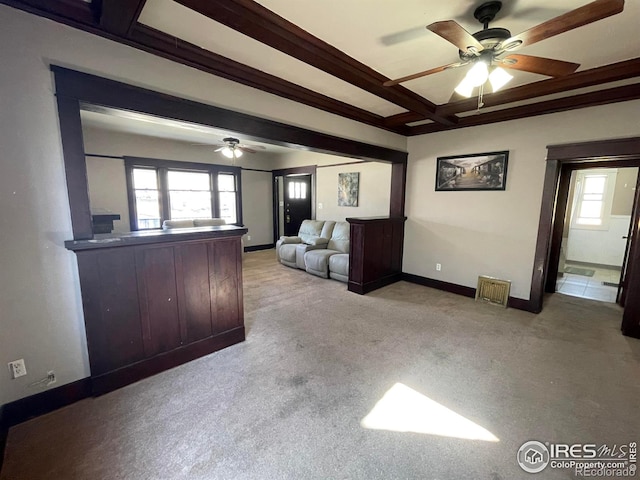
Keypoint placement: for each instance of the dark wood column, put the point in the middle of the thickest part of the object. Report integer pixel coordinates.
(375, 256)
(398, 189)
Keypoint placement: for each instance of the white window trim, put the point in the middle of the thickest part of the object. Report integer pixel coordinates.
(609, 190)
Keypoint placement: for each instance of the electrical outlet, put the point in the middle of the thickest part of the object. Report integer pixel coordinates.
(320, 206)
(438, 267)
(249, 238)
(17, 368)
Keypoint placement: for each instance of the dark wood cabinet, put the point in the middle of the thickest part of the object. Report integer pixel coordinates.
(151, 306)
(375, 256)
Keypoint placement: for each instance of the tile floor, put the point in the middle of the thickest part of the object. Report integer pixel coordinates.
(590, 287)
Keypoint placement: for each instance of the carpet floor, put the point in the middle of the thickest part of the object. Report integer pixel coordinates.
(405, 382)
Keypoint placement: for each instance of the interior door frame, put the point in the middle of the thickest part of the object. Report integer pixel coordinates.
(308, 170)
(76, 90)
(621, 296)
(562, 160)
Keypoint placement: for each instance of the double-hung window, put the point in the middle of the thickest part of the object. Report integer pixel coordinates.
(168, 190)
(227, 194)
(592, 198)
(146, 197)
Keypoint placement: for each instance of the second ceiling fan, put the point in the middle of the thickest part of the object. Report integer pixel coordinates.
(232, 148)
(490, 49)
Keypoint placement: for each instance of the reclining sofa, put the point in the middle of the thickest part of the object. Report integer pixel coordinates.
(321, 248)
(192, 222)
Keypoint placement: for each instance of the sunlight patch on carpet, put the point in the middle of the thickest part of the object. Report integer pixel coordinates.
(402, 409)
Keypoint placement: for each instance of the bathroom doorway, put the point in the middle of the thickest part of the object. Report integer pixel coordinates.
(596, 232)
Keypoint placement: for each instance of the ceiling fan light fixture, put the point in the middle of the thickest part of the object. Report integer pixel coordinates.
(227, 152)
(465, 88)
(237, 152)
(478, 74)
(499, 77)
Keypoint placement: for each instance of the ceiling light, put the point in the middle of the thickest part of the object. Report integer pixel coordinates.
(465, 88)
(499, 78)
(478, 74)
(237, 152)
(227, 152)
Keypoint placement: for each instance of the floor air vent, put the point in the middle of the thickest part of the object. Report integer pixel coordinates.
(493, 290)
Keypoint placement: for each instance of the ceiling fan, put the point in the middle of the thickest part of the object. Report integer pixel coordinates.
(490, 49)
(232, 148)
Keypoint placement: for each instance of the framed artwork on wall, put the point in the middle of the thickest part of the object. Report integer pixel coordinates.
(348, 186)
(478, 171)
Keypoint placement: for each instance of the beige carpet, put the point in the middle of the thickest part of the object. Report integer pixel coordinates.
(289, 403)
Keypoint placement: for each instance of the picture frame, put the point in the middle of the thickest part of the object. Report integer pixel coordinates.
(477, 171)
(348, 189)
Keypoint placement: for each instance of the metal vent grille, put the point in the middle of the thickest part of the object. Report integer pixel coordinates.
(493, 290)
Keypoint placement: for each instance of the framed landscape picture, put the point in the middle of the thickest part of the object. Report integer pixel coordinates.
(478, 171)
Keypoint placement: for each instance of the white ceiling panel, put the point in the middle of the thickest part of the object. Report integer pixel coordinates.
(181, 22)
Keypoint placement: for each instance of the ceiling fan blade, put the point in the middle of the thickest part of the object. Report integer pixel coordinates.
(253, 147)
(451, 31)
(540, 65)
(592, 12)
(220, 148)
(389, 83)
(246, 149)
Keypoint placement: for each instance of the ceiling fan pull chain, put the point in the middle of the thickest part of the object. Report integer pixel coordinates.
(480, 95)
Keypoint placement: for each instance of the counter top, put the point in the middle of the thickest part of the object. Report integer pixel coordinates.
(374, 219)
(144, 237)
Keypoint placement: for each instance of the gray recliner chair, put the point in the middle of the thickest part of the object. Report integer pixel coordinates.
(332, 261)
(313, 234)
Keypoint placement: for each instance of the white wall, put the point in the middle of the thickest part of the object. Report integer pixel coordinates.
(605, 247)
(39, 288)
(493, 232)
(373, 197)
(375, 184)
(108, 189)
(257, 207)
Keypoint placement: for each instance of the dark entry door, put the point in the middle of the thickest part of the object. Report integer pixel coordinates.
(297, 202)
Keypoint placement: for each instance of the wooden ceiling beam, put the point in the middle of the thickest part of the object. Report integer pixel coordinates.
(592, 99)
(587, 78)
(120, 16)
(263, 25)
(80, 13)
(169, 47)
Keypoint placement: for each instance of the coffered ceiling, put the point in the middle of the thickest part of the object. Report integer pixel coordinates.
(335, 55)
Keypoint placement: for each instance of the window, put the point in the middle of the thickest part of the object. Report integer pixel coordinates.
(147, 196)
(227, 196)
(592, 198)
(189, 194)
(162, 190)
(298, 190)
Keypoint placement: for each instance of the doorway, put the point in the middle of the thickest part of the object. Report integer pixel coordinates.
(596, 233)
(297, 202)
(293, 199)
(562, 160)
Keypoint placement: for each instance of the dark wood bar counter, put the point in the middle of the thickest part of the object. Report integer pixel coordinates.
(156, 299)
